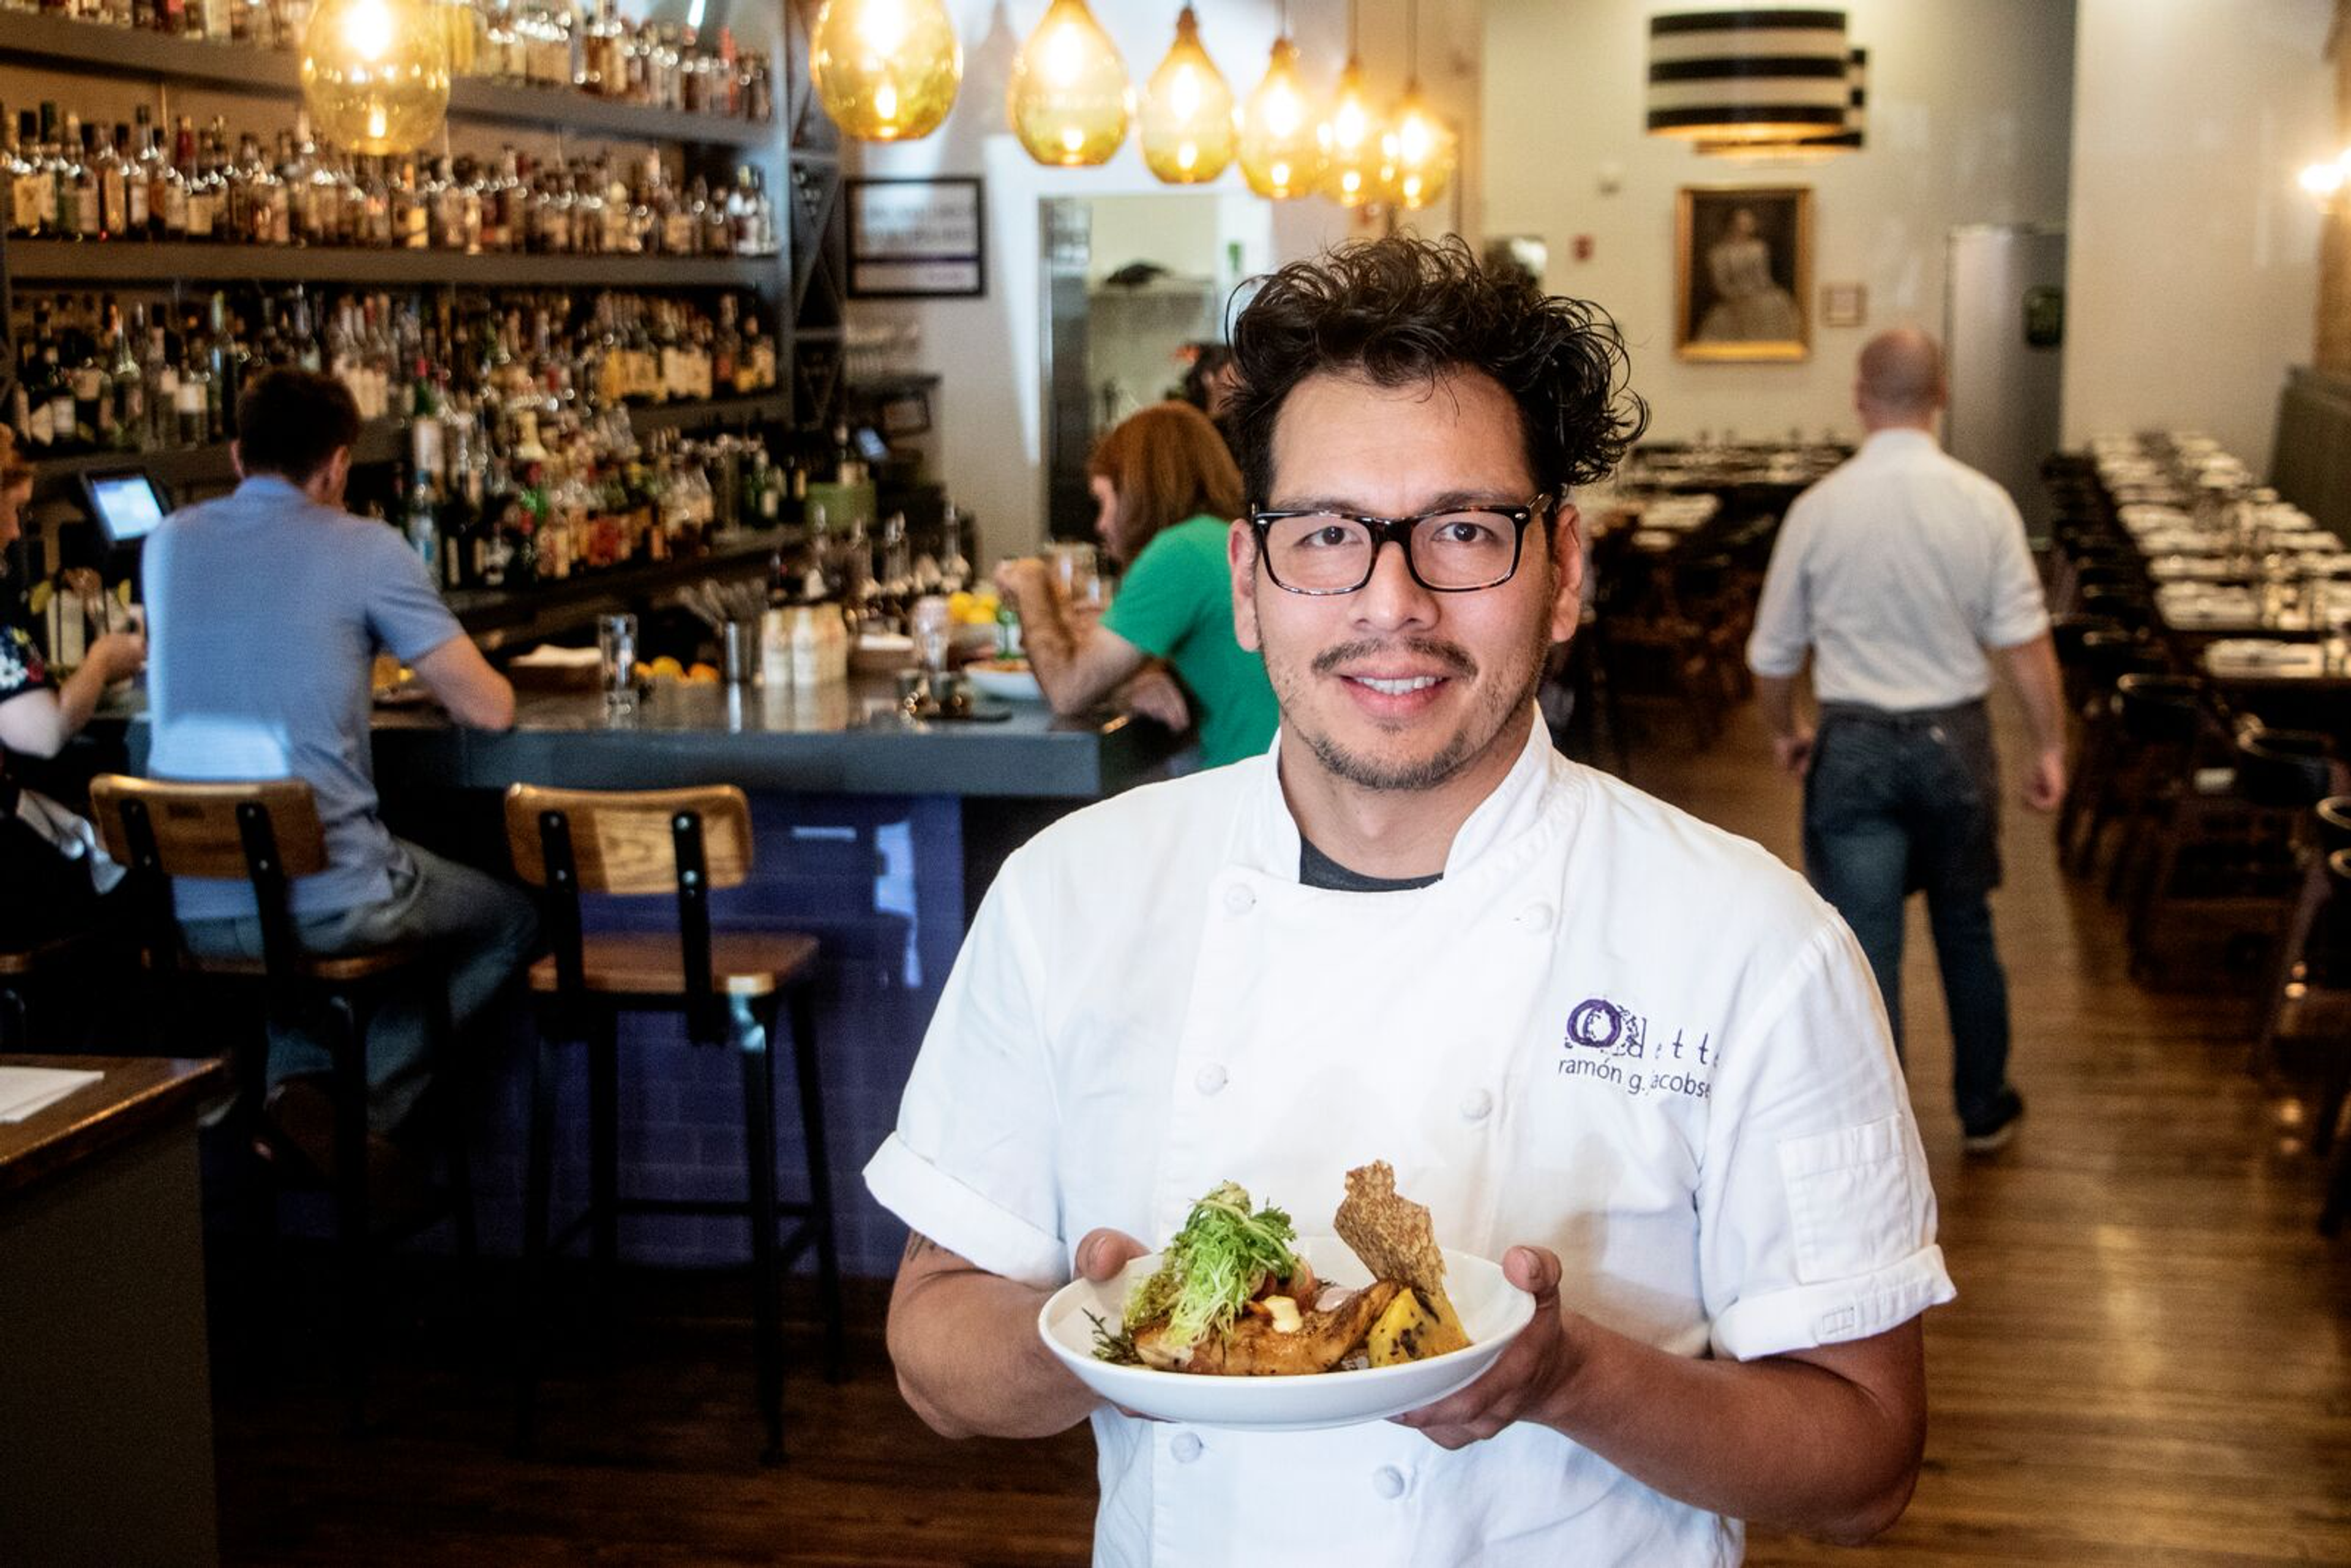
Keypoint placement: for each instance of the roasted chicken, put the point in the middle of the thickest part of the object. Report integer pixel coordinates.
(1257, 1346)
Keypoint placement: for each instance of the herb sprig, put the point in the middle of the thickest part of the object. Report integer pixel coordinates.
(1213, 1267)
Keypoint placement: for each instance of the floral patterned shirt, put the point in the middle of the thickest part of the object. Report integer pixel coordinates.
(22, 668)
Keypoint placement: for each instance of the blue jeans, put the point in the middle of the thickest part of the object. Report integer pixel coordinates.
(1897, 803)
(482, 926)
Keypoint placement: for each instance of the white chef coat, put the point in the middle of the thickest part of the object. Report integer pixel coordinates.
(1896, 572)
(1610, 1029)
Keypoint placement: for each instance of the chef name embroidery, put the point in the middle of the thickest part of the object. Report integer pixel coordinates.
(1608, 1042)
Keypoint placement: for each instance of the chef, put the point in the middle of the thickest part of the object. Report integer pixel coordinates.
(1631, 1056)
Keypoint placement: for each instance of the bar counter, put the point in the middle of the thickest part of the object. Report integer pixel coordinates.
(876, 835)
(848, 740)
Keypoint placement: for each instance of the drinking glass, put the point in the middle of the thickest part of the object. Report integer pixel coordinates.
(616, 651)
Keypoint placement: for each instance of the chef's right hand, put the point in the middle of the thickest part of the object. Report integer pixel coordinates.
(1103, 1253)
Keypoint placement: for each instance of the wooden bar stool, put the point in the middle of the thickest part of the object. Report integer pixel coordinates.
(730, 985)
(267, 834)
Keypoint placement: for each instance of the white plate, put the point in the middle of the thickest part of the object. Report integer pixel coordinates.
(1006, 686)
(1492, 1310)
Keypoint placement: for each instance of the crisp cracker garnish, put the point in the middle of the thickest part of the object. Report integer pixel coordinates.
(1394, 1236)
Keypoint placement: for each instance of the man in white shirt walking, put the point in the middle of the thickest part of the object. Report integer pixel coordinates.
(1894, 574)
(1634, 1059)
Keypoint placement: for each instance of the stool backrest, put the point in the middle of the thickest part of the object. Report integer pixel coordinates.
(626, 841)
(266, 831)
(2160, 710)
(2334, 816)
(683, 843)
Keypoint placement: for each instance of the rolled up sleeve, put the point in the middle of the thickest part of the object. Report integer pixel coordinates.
(972, 1163)
(2015, 610)
(1816, 1218)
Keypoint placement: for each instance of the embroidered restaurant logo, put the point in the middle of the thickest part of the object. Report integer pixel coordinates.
(1609, 1041)
(1599, 1024)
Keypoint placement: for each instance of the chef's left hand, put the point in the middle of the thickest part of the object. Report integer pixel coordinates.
(1523, 1379)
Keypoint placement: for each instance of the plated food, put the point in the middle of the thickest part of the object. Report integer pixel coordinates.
(1438, 1318)
(1231, 1297)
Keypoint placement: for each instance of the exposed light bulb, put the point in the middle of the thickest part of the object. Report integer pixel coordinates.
(1187, 128)
(1422, 149)
(1359, 169)
(1070, 99)
(1284, 145)
(886, 70)
(375, 73)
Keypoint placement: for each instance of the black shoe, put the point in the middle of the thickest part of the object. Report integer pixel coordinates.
(1995, 1132)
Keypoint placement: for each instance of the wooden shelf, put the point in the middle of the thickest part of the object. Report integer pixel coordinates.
(379, 442)
(44, 261)
(158, 57)
(501, 617)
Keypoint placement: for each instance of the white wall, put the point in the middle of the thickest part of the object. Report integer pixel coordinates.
(2192, 276)
(990, 409)
(1968, 125)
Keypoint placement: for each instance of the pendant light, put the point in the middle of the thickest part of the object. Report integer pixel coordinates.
(1187, 127)
(375, 73)
(1422, 151)
(1358, 171)
(1747, 75)
(1069, 99)
(1283, 141)
(1852, 137)
(886, 70)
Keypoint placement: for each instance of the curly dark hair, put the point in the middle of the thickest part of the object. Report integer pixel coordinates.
(1402, 309)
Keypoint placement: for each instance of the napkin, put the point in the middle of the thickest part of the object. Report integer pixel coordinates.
(24, 1089)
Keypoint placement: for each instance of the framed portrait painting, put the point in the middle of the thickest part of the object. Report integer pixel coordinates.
(1743, 272)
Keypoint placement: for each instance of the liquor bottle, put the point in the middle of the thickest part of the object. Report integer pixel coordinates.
(126, 392)
(64, 220)
(422, 523)
(136, 216)
(160, 379)
(200, 204)
(192, 394)
(30, 205)
(85, 207)
(227, 362)
(113, 182)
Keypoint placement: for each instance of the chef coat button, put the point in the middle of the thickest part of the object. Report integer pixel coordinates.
(1185, 1447)
(1209, 1079)
(1536, 916)
(1239, 899)
(1476, 1106)
(1388, 1481)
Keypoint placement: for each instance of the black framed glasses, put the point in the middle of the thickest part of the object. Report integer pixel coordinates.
(1458, 549)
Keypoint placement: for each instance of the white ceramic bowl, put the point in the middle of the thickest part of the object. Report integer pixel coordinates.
(1006, 686)
(1492, 1310)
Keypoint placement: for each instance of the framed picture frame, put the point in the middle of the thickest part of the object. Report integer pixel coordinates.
(1744, 273)
(1843, 304)
(917, 238)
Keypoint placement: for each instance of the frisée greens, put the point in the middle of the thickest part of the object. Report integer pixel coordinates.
(1217, 1262)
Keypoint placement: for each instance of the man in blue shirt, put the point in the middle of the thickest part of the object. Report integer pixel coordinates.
(266, 609)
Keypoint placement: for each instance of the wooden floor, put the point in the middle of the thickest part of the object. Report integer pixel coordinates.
(2149, 1361)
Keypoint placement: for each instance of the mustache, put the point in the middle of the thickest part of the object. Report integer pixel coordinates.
(1450, 654)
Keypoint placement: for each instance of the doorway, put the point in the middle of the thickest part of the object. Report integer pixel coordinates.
(1129, 283)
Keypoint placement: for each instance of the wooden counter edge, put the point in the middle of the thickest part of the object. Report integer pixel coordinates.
(137, 1094)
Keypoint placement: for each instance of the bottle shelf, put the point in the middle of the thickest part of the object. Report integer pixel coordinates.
(502, 617)
(379, 442)
(50, 261)
(59, 41)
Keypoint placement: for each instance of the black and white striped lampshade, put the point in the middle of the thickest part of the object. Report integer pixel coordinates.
(1748, 75)
(1813, 149)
